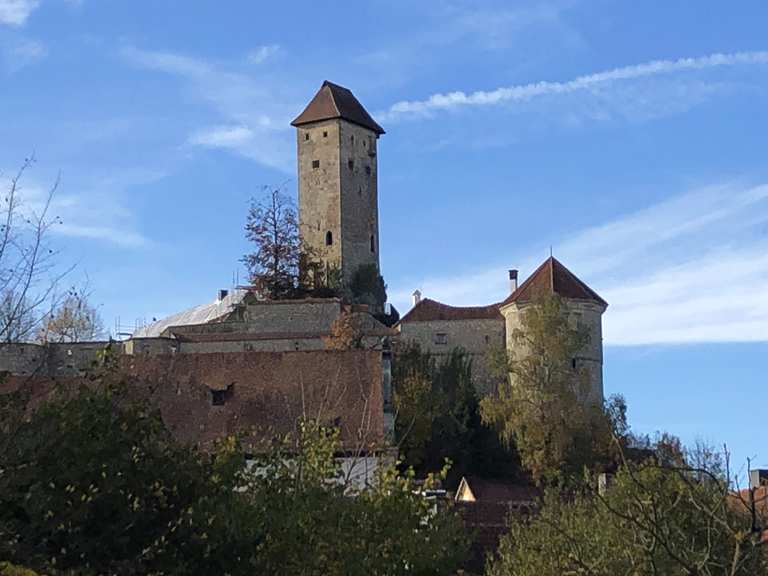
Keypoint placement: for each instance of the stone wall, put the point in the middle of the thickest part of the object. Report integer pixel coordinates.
(338, 193)
(53, 359)
(476, 337)
(320, 188)
(580, 313)
(23, 359)
(359, 198)
(204, 397)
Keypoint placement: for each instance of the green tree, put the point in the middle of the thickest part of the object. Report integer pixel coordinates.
(653, 519)
(368, 287)
(438, 417)
(93, 483)
(544, 407)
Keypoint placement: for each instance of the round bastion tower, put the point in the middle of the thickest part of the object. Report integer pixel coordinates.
(583, 306)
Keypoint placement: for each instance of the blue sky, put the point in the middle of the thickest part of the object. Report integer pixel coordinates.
(630, 137)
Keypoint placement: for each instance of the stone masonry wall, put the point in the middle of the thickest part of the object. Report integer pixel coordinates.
(53, 359)
(359, 198)
(320, 188)
(585, 313)
(476, 337)
(338, 193)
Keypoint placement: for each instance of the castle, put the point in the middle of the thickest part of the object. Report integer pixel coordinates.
(242, 360)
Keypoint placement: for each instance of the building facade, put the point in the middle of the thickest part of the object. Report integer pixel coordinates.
(482, 330)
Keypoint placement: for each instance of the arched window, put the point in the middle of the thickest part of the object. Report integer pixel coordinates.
(329, 238)
(373, 245)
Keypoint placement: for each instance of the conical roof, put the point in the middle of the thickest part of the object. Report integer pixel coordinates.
(553, 278)
(334, 101)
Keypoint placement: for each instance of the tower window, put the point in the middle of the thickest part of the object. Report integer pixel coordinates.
(368, 170)
(315, 163)
(325, 133)
(352, 138)
(351, 164)
(329, 238)
(373, 245)
(360, 191)
(306, 136)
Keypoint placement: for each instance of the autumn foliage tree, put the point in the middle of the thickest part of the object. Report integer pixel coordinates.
(74, 319)
(273, 227)
(544, 407)
(660, 516)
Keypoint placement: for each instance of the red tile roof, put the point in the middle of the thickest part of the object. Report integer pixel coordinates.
(485, 490)
(428, 310)
(334, 101)
(553, 278)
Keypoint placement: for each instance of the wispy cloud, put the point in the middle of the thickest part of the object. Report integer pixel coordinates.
(253, 116)
(96, 212)
(527, 92)
(693, 268)
(21, 53)
(16, 12)
(262, 53)
(222, 137)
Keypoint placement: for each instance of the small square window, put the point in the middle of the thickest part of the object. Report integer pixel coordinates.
(351, 164)
(315, 163)
(325, 134)
(218, 397)
(441, 338)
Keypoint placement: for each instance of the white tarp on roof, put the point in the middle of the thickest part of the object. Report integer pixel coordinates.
(197, 315)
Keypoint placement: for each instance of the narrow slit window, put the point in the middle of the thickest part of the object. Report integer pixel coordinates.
(329, 238)
(306, 136)
(351, 164)
(368, 170)
(373, 244)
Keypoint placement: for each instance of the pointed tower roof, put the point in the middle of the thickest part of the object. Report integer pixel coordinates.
(334, 101)
(553, 278)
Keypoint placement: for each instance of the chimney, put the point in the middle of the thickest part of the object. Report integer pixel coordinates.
(758, 478)
(221, 295)
(416, 297)
(512, 281)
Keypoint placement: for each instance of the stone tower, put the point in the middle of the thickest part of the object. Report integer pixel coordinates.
(582, 304)
(338, 196)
